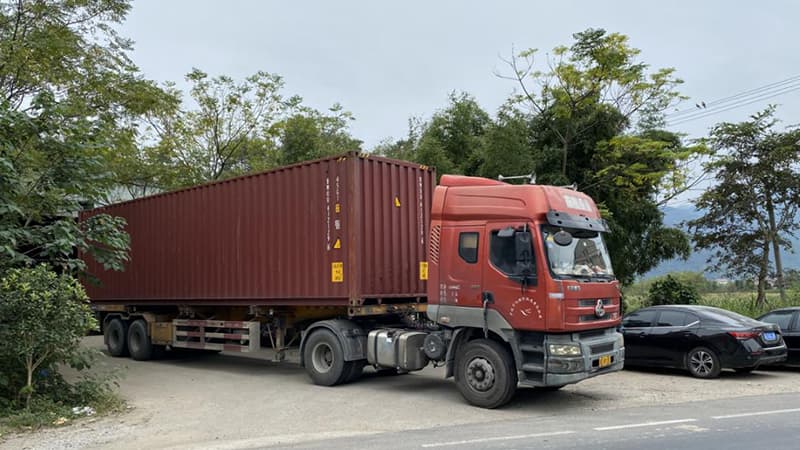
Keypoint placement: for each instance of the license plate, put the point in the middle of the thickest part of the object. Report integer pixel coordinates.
(769, 336)
(604, 361)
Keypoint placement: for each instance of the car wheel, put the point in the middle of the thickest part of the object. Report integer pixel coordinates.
(485, 373)
(702, 362)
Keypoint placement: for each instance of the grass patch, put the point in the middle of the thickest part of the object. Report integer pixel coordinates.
(741, 302)
(45, 412)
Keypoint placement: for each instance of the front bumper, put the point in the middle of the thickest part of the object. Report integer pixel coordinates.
(602, 351)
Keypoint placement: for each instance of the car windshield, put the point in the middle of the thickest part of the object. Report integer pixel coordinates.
(585, 256)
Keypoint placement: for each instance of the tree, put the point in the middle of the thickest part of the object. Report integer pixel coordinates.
(310, 134)
(69, 97)
(670, 290)
(595, 113)
(753, 206)
(597, 75)
(42, 319)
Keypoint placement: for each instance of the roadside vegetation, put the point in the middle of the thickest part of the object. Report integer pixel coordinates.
(44, 316)
(693, 288)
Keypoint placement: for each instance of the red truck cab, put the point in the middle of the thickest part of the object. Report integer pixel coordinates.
(527, 264)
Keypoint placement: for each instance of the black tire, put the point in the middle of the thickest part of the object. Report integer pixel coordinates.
(116, 337)
(139, 344)
(356, 369)
(702, 362)
(324, 359)
(550, 388)
(485, 373)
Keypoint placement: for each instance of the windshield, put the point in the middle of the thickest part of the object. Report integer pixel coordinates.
(585, 256)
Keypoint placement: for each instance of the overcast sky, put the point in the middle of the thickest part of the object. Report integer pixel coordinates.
(386, 62)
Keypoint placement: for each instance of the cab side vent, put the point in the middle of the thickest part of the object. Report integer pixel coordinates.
(436, 232)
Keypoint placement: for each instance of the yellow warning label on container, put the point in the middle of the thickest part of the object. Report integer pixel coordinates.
(338, 208)
(423, 270)
(397, 202)
(338, 243)
(337, 272)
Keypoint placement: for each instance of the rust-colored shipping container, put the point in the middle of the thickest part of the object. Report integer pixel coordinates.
(341, 231)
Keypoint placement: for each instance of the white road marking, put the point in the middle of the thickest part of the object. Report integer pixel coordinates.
(758, 413)
(644, 424)
(498, 438)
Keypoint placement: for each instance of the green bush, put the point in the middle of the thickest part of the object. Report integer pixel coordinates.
(43, 316)
(672, 291)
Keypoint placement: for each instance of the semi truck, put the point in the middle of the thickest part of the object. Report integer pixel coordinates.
(358, 260)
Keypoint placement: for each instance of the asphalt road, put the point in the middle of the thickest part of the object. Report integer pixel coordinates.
(771, 421)
(235, 402)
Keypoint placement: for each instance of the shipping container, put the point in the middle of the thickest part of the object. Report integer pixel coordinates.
(345, 231)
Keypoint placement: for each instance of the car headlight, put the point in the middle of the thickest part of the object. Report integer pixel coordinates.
(564, 350)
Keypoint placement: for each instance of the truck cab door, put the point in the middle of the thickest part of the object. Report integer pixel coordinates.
(512, 281)
(460, 274)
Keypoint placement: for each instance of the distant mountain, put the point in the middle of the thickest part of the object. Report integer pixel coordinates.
(677, 216)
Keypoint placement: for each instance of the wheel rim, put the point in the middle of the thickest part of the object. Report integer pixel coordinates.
(322, 357)
(701, 362)
(480, 374)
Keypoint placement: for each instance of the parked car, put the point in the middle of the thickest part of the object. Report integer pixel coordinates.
(788, 319)
(701, 339)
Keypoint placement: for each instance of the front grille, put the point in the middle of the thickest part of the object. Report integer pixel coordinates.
(602, 348)
(593, 301)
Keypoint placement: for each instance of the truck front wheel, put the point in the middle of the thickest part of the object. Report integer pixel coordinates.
(323, 358)
(485, 373)
(116, 337)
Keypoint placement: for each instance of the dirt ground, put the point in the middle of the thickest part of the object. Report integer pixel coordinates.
(225, 401)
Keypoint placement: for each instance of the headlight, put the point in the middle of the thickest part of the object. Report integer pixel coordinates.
(620, 341)
(565, 350)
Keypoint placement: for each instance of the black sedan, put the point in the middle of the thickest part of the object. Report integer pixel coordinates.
(701, 339)
(788, 319)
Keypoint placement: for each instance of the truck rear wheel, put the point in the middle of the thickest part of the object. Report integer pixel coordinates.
(139, 343)
(485, 373)
(116, 337)
(324, 359)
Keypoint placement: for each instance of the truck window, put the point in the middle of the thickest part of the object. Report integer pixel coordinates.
(468, 247)
(503, 255)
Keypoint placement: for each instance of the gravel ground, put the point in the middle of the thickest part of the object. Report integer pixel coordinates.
(224, 401)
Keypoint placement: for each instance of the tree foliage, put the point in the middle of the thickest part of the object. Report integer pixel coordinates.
(672, 291)
(42, 318)
(753, 206)
(69, 96)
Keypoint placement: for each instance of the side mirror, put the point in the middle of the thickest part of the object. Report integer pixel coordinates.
(525, 270)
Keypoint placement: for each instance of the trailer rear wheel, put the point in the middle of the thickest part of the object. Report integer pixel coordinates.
(139, 343)
(116, 337)
(485, 373)
(324, 359)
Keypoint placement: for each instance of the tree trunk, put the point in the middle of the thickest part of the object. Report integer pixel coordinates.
(29, 386)
(761, 298)
(776, 248)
